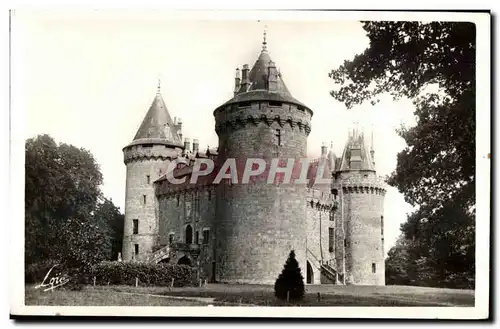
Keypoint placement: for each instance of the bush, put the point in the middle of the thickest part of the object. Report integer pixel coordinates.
(36, 272)
(122, 273)
(290, 281)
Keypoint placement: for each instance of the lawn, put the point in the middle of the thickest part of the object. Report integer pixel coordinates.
(261, 295)
(99, 297)
(330, 295)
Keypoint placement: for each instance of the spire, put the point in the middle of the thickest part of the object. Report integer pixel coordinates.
(158, 124)
(264, 41)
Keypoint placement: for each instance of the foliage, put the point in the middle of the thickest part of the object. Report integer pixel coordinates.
(290, 281)
(110, 220)
(65, 222)
(149, 274)
(436, 171)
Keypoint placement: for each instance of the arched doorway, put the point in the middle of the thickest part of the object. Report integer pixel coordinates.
(189, 234)
(184, 261)
(310, 274)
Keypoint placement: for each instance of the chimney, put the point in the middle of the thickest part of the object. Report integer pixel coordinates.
(272, 77)
(178, 126)
(196, 145)
(237, 82)
(187, 145)
(323, 150)
(244, 78)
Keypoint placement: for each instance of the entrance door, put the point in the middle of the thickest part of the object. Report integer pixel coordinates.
(310, 274)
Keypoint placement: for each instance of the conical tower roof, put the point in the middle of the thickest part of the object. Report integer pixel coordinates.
(157, 126)
(258, 87)
(355, 141)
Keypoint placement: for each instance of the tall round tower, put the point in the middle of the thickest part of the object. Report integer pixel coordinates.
(156, 143)
(361, 211)
(258, 224)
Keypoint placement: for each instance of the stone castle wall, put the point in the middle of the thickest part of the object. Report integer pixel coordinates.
(319, 220)
(194, 207)
(258, 224)
(362, 208)
(142, 162)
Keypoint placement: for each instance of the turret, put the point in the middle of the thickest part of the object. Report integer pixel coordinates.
(146, 157)
(250, 246)
(361, 195)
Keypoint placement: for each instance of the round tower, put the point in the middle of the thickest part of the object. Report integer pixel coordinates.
(258, 224)
(156, 143)
(361, 194)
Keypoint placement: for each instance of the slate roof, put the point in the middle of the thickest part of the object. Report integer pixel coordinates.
(157, 126)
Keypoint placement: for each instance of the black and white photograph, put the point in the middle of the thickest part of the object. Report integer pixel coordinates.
(318, 164)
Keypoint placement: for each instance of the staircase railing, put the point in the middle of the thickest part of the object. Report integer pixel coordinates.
(329, 271)
(158, 254)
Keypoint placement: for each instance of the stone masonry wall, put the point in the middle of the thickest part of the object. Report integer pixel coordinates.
(194, 207)
(258, 224)
(318, 224)
(363, 208)
(141, 162)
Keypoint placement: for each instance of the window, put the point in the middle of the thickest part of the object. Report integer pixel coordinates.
(381, 225)
(144, 199)
(278, 137)
(332, 218)
(331, 238)
(148, 179)
(345, 243)
(197, 237)
(170, 238)
(206, 236)
(136, 226)
(374, 268)
(136, 249)
(189, 234)
(209, 195)
(148, 146)
(300, 108)
(274, 103)
(178, 200)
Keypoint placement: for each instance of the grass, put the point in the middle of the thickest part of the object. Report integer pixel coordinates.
(330, 295)
(98, 297)
(261, 295)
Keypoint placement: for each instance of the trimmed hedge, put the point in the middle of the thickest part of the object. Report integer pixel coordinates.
(122, 273)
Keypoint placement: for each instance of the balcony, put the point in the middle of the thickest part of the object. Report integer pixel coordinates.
(186, 247)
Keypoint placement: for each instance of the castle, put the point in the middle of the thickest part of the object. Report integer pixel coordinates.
(243, 233)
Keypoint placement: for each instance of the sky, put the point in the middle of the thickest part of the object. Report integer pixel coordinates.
(88, 78)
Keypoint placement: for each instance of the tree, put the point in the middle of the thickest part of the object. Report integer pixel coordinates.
(62, 189)
(436, 171)
(290, 282)
(110, 220)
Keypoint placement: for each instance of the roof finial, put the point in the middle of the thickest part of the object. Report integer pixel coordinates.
(264, 42)
(159, 85)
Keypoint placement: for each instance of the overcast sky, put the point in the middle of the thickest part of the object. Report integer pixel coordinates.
(89, 79)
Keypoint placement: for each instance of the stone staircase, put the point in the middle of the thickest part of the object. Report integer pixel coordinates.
(159, 254)
(328, 271)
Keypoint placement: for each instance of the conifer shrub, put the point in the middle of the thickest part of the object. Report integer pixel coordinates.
(290, 283)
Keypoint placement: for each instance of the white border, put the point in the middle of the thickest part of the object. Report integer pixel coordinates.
(483, 185)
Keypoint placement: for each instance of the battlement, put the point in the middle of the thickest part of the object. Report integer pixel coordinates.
(236, 116)
(141, 152)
